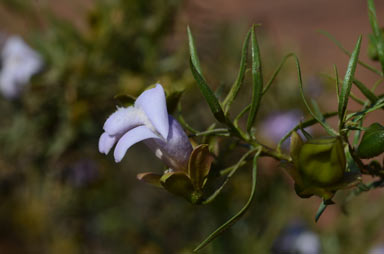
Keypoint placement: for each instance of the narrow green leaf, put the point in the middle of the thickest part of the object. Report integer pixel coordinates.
(378, 82)
(240, 76)
(372, 48)
(356, 99)
(337, 83)
(203, 86)
(355, 128)
(208, 94)
(193, 51)
(359, 115)
(212, 132)
(364, 90)
(330, 131)
(240, 115)
(361, 188)
(204, 140)
(347, 84)
(230, 171)
(357, 134)
(277, 71)
(320, 211)
(316, 110)
(305, 133)
(338, 44)
(238, 216)
(320, 116)
(359, 124)
(376, 32)
(257, 80)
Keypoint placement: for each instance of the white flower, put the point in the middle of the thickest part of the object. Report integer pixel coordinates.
(19, 63)
(297, 238)
(147, 121)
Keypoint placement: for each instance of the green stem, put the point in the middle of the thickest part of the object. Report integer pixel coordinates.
(242, 211)
(276, 154)
(277, 71)
(240, 76)
(182, 121)
(237, 118)
(376, 84)
(356, 99)
(230, 171)
(211, 132)
(235, 130)
(305, 124)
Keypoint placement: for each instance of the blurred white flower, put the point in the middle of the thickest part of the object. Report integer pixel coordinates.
(18, 64)
(297, 238)
(307, 243)
(147, 121)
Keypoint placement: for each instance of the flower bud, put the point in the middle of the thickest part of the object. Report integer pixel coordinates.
(188, 184)
(322, 161)
(372, 143)
(319, 166)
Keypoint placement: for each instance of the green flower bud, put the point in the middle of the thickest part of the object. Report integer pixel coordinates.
(319, 166)
(322, 161)
(372, 143)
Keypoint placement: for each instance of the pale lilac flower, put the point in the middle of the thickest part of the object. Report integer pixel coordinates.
(147, 121)
(19, 64)
(377, 249)
(276, 125)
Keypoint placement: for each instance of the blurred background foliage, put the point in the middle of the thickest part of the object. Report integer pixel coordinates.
(59, 195)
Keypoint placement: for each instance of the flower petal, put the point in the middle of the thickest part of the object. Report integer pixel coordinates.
(153, 103)
(106, 142)
(19, 63)
(130, 138)
(9, 86)
(175, 151)
(124, 119)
